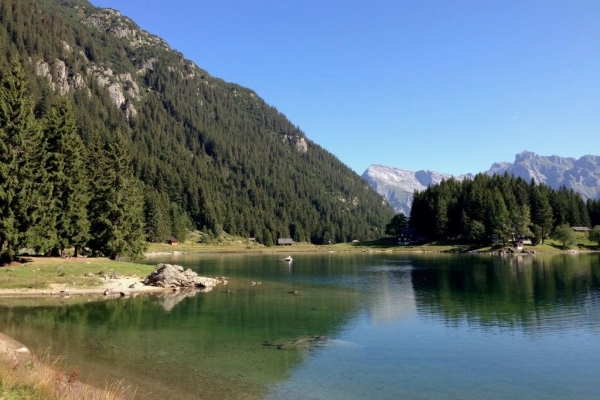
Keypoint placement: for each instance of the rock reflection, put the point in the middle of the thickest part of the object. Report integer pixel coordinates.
(168, 300)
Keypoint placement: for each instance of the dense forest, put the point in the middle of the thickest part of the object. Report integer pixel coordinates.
(499, 205)
(48, 200)
(204, 154)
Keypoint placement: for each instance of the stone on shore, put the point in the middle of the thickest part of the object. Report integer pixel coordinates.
(168, 275)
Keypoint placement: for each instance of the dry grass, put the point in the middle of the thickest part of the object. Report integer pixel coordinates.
(24, 377)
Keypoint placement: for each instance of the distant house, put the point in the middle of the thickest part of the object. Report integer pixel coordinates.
(172, 241)
(518, 238)
(584, 229)
(285, 242)
(409, 236)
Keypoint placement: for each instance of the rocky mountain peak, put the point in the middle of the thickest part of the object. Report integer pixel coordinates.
(582, 175)
(397, 185)
(526, 155)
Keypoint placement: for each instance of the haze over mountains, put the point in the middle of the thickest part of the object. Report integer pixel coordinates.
(582, 175)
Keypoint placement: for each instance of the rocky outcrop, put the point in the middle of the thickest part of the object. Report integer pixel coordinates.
(61, 78)
(298, 142)
(168, 275)
(111, 21)
(121, 88)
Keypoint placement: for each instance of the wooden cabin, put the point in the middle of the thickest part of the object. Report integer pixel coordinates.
(409, 236)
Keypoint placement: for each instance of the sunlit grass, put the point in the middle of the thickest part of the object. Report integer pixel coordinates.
(28, 378)
(41, 272)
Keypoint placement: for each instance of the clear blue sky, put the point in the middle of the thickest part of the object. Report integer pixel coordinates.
(451, 86)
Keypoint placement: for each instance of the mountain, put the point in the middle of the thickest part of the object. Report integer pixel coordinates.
(398, 185)
(582, 175)
(211, 155)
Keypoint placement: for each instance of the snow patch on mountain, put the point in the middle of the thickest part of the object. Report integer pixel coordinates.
(397, 185)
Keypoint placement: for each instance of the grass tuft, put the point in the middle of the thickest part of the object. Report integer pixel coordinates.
(28, 378)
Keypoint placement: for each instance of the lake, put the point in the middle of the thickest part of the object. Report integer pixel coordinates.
(339, 326)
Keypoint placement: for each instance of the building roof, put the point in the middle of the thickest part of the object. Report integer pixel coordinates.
(410, 231)
(285, 241)
(581, 229)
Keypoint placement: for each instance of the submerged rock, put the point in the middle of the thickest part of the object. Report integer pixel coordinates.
(311, 342)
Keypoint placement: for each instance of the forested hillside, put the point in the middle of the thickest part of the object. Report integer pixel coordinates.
(209, 154)
(477, 208)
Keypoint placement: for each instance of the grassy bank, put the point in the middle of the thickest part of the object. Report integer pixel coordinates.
(229, 245)
(26, 378)
(43, 272)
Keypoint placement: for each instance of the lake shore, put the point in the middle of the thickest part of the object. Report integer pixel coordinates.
(25, 375)
(65, 277)
(119, 287)
(62, 277)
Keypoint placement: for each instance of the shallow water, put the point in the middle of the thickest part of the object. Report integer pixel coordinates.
(333, 326)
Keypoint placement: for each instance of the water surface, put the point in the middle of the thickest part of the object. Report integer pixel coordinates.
(334, 326)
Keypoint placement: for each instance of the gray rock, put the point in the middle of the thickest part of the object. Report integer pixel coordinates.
(167, 275)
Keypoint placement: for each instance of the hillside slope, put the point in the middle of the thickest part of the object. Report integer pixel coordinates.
(211, 154)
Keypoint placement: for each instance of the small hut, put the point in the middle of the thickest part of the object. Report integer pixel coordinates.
(173, 241)
(583, 229)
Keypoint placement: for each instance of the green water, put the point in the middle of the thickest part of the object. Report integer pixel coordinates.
(386, 327)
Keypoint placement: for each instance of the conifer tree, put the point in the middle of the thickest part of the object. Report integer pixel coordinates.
(24, 187)
(116, 205)
(522, 220)
(156, 215)
(542, 214)
(65, 165)
(498, 215)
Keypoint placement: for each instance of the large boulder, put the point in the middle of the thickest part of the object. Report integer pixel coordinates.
(168, 275)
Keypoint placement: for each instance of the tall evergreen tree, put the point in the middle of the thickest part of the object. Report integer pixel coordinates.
(116, 206)
(499, 215)
(542, 211)
(24, 187)
(65, 164)
(521, 217)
